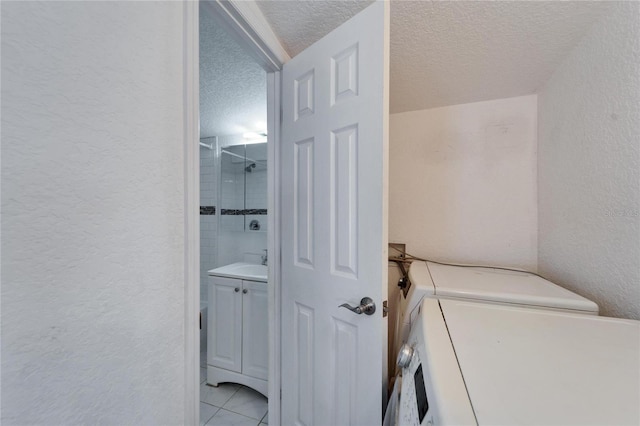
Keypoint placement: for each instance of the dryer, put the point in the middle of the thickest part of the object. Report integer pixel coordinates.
(488, 285)
(469, 363)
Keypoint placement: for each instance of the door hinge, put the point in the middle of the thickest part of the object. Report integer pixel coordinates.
(385, 308)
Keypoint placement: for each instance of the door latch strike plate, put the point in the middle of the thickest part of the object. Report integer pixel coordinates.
(385, 308)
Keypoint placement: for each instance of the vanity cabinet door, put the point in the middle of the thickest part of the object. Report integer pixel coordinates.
(224, 343)
(255, 333)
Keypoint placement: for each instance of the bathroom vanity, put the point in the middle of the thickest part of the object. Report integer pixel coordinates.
(237, 338)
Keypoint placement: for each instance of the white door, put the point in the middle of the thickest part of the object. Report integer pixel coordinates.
(255, 329)
(334, 224)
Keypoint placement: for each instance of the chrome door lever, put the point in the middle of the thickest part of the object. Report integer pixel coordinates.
(367, 306)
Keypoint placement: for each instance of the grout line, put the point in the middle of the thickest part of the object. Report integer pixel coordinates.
(232, 395)
(233, 412)
(215, 412)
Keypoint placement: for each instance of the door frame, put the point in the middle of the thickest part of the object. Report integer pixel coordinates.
(247, 25)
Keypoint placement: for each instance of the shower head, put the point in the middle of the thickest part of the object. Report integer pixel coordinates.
(249, 167)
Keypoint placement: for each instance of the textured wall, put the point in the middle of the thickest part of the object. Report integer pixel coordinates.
(463, 182)
(589, 161)
(233, 86)
(92, 213)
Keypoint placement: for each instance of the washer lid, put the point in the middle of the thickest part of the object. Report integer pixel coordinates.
(536, 367)
(421, 286)
(496, 285)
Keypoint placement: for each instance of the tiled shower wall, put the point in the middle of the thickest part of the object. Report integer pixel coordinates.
(208, 218)
(232, 195)
(230, 240)
(236, 242)
(256, 196)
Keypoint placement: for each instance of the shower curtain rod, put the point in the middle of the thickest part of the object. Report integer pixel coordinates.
(224, 151)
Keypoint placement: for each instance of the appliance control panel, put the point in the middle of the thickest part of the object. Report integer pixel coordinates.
(414, 403)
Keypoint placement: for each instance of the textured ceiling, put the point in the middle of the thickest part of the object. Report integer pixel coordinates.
(233, 87)
(445, 53)
(452, 52)
(299, 23)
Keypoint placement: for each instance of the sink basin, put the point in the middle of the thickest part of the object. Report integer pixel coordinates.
(242, 270)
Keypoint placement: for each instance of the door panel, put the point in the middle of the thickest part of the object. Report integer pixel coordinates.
(343, 201)
(303, 202)
(334, 224)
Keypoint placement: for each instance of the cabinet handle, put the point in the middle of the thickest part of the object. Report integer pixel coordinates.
(236, 289)
(245, 291)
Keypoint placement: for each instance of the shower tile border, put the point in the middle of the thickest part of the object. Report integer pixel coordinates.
(207, 210)
(243, 212)
(211, 210)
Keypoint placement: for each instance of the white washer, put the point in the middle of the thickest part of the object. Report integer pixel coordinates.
(487, 285)
(485, 364)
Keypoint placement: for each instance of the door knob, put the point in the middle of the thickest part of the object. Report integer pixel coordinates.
(404, 356)
(366, 306)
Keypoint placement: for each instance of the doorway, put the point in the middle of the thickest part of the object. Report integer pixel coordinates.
(237, 223)
(361, 71)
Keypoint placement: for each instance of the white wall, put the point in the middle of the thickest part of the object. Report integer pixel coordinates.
(92, 213)
(589, 162)
(463, 182)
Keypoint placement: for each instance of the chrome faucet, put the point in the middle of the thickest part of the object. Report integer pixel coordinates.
(265, 257)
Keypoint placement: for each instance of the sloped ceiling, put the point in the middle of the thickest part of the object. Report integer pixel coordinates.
(233, 87)
(300, 23)
(452, 52)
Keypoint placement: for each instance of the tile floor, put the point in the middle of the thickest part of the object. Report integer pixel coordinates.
(230, 404)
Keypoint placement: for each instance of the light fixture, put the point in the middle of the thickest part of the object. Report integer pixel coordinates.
(254, 137)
